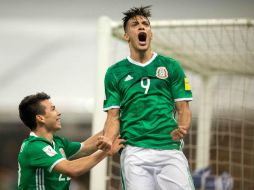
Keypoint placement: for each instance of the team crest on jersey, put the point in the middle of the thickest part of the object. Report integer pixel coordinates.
(162, 72)
(49, 151)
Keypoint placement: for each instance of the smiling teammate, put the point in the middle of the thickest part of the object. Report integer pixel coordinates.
(143, 92)
(43, 158)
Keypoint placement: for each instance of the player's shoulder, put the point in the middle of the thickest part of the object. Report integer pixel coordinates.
(59, 140)
(118, 65)
(34, 143)
(170, 63)
(56, 138)
(167, 59)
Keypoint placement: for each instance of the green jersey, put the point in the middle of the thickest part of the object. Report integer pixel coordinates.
(37, 159)
(146, 95)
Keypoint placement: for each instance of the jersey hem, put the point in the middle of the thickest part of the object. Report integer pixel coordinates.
(172, 147)
(56, 162)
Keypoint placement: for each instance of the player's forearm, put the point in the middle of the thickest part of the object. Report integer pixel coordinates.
(184, 120)
(112, 124)
(79, 166)
(89, 145)
(184, 115)
(111, 129)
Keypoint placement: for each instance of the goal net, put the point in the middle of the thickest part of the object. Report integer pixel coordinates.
(218, 58)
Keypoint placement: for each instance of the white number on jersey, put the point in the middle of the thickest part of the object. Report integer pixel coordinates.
(63, 178)
(145, 83)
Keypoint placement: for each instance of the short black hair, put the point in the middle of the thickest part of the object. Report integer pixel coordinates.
(136, 11)
(30, 106)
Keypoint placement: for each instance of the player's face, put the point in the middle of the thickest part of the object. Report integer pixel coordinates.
(51, 118)
(138, 33)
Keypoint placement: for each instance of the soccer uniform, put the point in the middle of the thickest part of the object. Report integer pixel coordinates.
(37, 159)
(146, 95)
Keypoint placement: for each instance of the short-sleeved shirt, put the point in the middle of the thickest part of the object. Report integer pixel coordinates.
(37, 159)
(146, 95)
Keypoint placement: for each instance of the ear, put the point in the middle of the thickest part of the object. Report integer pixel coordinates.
(126, 37)
(40, 119)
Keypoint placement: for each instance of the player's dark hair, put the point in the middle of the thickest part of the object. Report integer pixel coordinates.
(30, 106)
(136, 11)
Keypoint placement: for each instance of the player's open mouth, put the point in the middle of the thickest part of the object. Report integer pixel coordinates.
(142, 37)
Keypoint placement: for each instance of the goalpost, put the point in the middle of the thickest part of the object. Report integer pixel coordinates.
(218, 57)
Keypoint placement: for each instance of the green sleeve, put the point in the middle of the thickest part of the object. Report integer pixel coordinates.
(71, 148)
(112, 95)
(180, 86)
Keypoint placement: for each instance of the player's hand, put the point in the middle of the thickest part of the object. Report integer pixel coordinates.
(179, 133)
(117, 145)
(104, 143)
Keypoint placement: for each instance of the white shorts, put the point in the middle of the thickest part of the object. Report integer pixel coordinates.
(151, 169)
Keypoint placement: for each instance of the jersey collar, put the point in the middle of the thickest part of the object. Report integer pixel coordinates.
(142, 64)
(33, 134)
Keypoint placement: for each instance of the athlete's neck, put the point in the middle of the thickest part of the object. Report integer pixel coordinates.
(42, 132)
(141, 56)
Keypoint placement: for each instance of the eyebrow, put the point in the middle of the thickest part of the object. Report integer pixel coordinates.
(136, 21)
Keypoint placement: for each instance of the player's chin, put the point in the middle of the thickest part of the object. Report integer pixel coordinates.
(58, 127)
(143, 47)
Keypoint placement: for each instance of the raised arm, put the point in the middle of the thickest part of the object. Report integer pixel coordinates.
(111, 130)
(184, 120)
(89, 146)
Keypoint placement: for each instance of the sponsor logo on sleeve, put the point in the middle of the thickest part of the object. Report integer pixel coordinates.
(49, 151)
(187, 86)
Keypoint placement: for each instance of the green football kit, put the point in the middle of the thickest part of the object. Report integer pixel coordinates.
(37, 159)
(146, 96)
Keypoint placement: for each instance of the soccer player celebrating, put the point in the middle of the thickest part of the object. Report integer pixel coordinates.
(43, 158)
(143, 92)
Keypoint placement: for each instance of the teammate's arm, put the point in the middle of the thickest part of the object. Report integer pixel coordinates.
(79, 166)
(184, 120)
(111, 130)
(89, 146)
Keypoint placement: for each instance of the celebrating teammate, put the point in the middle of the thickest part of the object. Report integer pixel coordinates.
(143, 92)
(43, 158)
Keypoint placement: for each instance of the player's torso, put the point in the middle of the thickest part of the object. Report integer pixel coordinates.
(31, 177)
(147, 104)
(144, 85)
